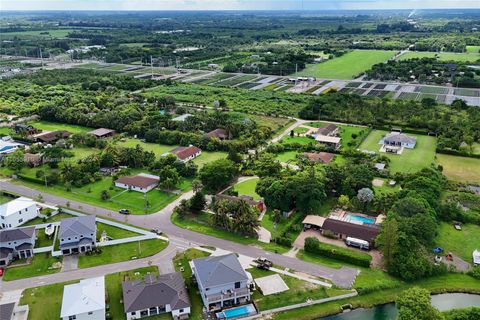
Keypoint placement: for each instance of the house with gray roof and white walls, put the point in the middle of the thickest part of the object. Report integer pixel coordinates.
(84, 300)
(221, 280)
(16, 243)
(16, 212)
(77, 234)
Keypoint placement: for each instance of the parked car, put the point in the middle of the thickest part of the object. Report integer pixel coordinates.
(262, 260)
(437, 250)
(157, 231)
(262, 266)
(124, 211)
(2, 271)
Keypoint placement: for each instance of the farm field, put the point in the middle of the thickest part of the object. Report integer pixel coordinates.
(442, 56)
(460, 242)
(410, 160)
(461, 169)
(50, 33)
(347, 66)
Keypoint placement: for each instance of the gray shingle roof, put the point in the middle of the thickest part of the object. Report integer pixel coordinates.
(400, 137)
(71, 227)
(219, 270)
(155, 291)
(6, 311)
(17, 234)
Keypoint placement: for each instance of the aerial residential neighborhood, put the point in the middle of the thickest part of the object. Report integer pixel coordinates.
(224, 160)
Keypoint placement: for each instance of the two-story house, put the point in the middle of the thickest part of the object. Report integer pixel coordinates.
(84, 300)
(16, 212)
(156, 295)
(221, 280)
(78, 234)
(16, 243)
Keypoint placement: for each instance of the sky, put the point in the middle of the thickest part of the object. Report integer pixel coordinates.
(232, 4)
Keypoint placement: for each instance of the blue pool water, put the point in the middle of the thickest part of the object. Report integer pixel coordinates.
(239, 311)
(353, 217)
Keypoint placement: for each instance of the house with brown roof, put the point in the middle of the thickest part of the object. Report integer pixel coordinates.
(103, 132)
(156, 295)
(218, 133)
(328, 130)
(320, 157)
(33, 159)
(343, 229)
(51, 136)
(185, 154)
(142, 182)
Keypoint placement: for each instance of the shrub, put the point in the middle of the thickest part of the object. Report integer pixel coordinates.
(313, 245)
(283, 241)
(475, 272)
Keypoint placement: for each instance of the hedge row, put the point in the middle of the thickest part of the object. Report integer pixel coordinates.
(458, 153)
(30, 179)
(313, 245)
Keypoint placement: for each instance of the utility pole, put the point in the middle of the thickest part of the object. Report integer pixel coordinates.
(151, 65)
(41, 58)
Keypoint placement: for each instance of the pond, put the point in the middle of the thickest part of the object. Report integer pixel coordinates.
(442, 302)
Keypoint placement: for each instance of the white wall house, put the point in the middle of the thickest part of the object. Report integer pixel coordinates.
(141, 182)
(84, 300)
(17, 212)
(186, 154)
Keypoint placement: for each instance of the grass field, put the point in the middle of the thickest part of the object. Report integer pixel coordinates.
(52, 126)
(460, 169)
(300, 140)
(347, 66)
(410, 160)
(247, 188)
(442, 56)
(40, 265)
(473, 49)
(209, 156)
(122, 252)
(49, 33)
(461, 243)
(286, 156)
(156, 148)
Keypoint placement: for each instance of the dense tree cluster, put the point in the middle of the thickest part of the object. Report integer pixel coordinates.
(237, 217)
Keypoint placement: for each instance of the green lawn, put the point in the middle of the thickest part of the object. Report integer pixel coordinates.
(122, 252)
(5, 198)
(156, 148)
(386, 189)
(201, 223)
(300, 140)
(52, 126)
(461, 243)
(410, 160)
(40, 266)
(181, 260)
(300, 130)
(461, 169)
(54, 218)
(473, 49)
(209, 156)
(114, 232)
(247, 188)
(348, 66)
(48, 33)
(443, 56)
(287, 156)
(113, 286)
(42, 239)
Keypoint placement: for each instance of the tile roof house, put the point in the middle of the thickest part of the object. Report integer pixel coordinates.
(221, 280)
(51, 136)
(103, 132)
(218, 133)
(328, 130)
(84, 300)
(142, 182)
(77, 234)
(185, 154)
(16, 243)
(17, 212)
(321, 157)
(344, 229)
(397, 139)
(156, 295)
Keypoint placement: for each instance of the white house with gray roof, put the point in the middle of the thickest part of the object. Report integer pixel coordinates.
(397, 139)
(78, 234)
(156, 295)
(16, 243)
(221, 280)
(84, 300)
(16, 212)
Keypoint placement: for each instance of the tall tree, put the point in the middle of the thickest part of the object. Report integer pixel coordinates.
(415, 304)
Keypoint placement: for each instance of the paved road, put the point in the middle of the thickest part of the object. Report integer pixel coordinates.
(183, 238)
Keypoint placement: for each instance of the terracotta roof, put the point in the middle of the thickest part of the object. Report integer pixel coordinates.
(218, 133)
(324, 157)
(185, 152)
(52, 135)
(327, 130)
(359, 231)
(138, 181)
(101, 132)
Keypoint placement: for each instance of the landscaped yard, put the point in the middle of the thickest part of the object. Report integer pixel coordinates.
(53, 126)
(42, 239)
(181, 261)
(461, 243)
(209, 156)
(460, 169)
(54, 218)
(122, 252)
(287, 156)
(156, 148)
(300, 140)
(40, 266)
(411, 160)
(114, 232)
(247, 188)
(346, 131)
(348, 66)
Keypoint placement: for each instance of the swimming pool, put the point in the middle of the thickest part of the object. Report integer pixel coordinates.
(356, 218)
(237, 312)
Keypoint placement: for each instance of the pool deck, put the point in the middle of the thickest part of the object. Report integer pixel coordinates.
(344, 215)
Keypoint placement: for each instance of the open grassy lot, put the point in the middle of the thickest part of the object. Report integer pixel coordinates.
(247, 188)
(114, 232)
(287, 156)
(113, 286)
(300, 140)
(49, 33)
(473, 49)
(461, 243)
(201, 223)
(156, 148)
(122, 252)
(276, 124)
(442, 56)
(460, 169)
(181, 260)
(347, 66)
(209, 156)
(52, 126)
(40, 266)
(410, 160)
